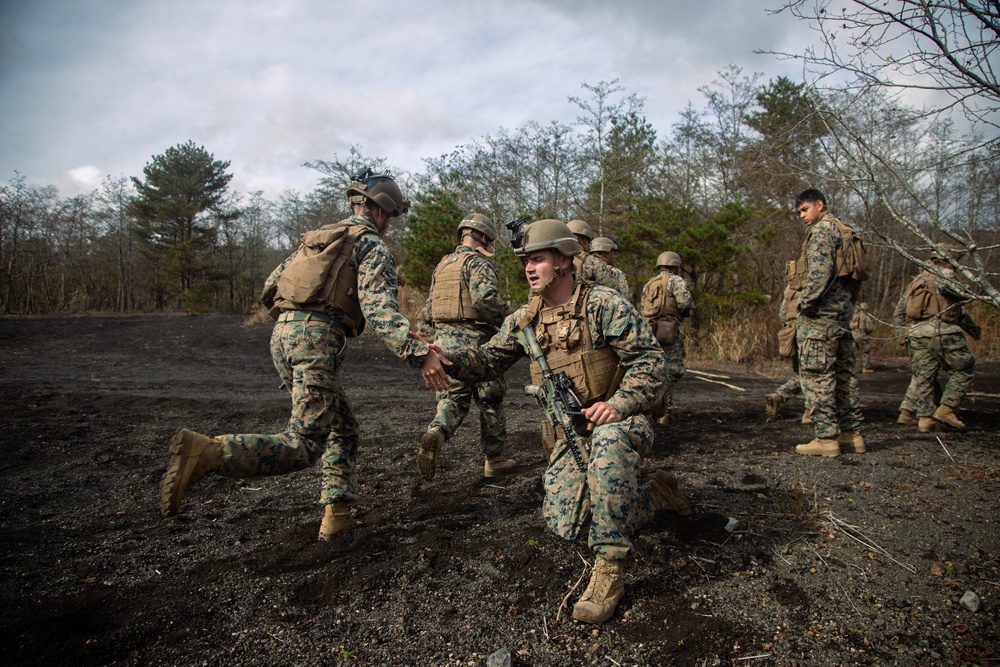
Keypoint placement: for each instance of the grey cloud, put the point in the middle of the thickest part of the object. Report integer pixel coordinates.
(269, 85)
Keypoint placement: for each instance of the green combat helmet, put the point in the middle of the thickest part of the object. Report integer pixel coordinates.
(668, 258)
(550, 235)
(582, 228)
(603, 244)
(381, 189)
(479, 223)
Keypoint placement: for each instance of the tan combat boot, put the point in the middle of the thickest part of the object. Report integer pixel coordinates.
(906, 417)
(606, 588)
(498, 465)
(667, 496)
(336, 519)
(807, 416)
(772, 403)
(427, 455)
(946, 414)
(819, 447)
(192, 456)
(665, 419)
(851, 442)
(928, 425)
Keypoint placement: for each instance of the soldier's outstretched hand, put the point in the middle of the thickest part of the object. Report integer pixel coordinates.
(432, 370)
(602, 412)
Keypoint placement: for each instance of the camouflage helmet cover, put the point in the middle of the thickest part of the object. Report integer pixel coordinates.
(668, 258)
(550, 235)
(480, 223)
(582, 228)
(603, 244)
(381, 189)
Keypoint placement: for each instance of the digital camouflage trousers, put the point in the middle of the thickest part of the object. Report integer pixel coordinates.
(675, 367)
(454, 403)
(929, 356)
(608, 491)
(307, 356)
(826, 368)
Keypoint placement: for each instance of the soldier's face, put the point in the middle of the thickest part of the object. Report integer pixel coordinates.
(540, 268)
(810, 211)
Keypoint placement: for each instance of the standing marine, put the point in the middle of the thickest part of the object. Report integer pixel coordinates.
(666, 301)
(464, 309)
(862, 325)
(605, 249)
(936, 342)
(828, 275)
(340, 277)
(615, 368)
(590, 268)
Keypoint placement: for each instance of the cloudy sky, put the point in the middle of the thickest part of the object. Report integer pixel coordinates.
(90, 88)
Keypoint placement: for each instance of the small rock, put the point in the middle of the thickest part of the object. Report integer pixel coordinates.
(731, 524)
(500, 658)
(970, 601)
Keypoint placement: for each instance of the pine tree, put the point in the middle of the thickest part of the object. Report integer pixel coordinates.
(173, 207)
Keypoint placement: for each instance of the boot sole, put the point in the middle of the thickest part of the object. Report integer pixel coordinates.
(171, 493)
(427, 456)
(771, 409)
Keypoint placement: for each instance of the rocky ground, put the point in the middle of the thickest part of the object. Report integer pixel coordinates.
(789, 560)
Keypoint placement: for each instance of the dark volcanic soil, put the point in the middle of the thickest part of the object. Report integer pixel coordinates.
(856, 560)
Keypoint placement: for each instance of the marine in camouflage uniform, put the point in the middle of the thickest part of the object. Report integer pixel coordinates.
(609, 489)
(604, 249)
(591, 268)
(468, 280)
(826, 353)
(862, 325)
(308, 345)
(936, 342)
(666, 301)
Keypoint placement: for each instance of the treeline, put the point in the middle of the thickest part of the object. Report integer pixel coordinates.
(717, 186)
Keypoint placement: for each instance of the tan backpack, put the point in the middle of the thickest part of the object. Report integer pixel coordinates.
(320, 276)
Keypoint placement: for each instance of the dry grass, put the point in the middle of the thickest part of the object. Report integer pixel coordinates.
(411, 302)
(744, 337)
(988, 319)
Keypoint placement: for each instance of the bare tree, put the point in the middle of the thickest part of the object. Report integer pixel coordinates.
(597, 115)
(114, 200)
(870, 53)
(945, 46)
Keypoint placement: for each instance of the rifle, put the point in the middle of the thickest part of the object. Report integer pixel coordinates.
(555, 395)
(516, 228)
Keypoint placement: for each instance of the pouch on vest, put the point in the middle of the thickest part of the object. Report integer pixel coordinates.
(305, 275)
(786, 340)
(923, 302)
(665, 331)
(851, 257)
(651, 304)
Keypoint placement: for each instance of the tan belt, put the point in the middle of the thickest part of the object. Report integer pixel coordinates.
(304, 316)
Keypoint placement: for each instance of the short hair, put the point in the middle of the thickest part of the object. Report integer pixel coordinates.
(812, 195)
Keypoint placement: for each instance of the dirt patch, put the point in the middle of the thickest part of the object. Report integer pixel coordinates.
(789, 560)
